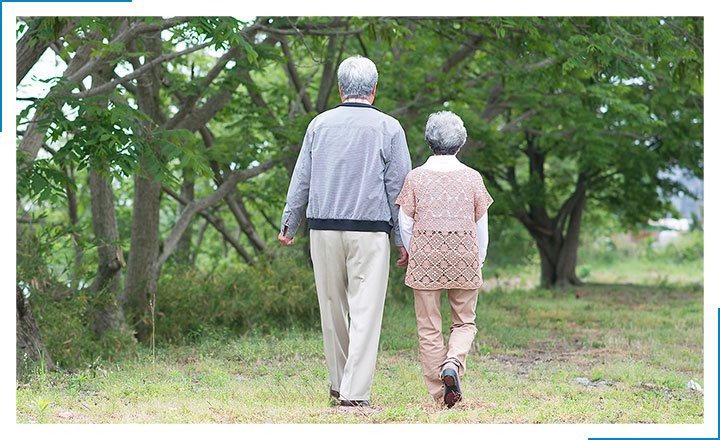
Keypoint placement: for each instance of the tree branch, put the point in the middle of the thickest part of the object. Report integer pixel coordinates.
(217, 225)
(138, 72)
(328, 75)
(510, 125)
(307, 31)
(27, 55)
(198, 205)
(294, 76)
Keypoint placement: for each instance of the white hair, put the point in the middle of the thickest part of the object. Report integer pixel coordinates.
(445, 132)
(357, 77)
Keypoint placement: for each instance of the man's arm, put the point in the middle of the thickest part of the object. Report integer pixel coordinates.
(298, 191)
(397, 168)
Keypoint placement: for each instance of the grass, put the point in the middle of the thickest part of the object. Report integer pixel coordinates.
(637, 345)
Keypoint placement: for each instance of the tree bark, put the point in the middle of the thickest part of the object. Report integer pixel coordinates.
(327, 80)
(28, 54)
(140, 286)
(144, 249)
(198, 242)
(73, 217)
(557, 244)
(184, 247)
(556, 238)
(106, 308)
(567, 259)
(28, 342)
(28, 339)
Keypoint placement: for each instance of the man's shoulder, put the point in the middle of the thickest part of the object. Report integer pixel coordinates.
(369, 115)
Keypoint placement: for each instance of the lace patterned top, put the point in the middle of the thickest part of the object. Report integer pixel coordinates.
(444, 205)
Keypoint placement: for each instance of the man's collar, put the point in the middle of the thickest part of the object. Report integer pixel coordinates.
(358, 100)
(357, 104)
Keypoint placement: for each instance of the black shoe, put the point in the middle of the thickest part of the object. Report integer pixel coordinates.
(452, 387)
(334, 394)
(354, 403)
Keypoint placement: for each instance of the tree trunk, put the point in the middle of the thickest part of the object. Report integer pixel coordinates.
(73, 216)
(558, 247)
(28, 342)
(567, 260)
(107, 303)
(184, 247)
(140, 282)
(201, 234)
(144, 249)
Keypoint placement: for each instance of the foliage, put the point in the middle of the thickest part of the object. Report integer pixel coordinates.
(64, 320)
(688, 247)
(269, 296)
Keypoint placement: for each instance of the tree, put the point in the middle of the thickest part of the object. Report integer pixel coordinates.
(560, 111)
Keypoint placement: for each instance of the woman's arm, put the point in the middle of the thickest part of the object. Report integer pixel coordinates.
(406, 225)
(482, 234)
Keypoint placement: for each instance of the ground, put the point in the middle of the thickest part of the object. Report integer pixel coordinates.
(622, 353)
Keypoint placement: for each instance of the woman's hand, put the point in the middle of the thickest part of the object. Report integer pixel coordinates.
(403, 261)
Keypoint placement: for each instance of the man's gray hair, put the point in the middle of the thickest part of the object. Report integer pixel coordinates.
(357, 77)
(445, 132)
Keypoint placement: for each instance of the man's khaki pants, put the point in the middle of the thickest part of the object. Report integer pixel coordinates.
(433, 353)
(351, 276)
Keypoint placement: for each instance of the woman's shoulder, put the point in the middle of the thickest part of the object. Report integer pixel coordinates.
(471, 172)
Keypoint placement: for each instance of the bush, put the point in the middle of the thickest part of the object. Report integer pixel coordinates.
(271, 295)
(64, 322)
(688, 247)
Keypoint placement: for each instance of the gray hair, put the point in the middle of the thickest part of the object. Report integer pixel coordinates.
(357, 77)
(445, 132)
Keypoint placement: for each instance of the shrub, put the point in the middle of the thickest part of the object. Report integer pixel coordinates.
(688, 247)
(271, 295)
(63, 323)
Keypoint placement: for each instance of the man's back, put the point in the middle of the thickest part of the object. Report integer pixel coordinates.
(350, 151)
(351, 167)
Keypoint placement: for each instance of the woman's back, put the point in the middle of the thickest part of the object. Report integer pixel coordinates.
(444, 205)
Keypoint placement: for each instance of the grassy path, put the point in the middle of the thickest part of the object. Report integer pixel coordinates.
(620, 354)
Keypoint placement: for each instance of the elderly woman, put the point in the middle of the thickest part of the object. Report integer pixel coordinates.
(443, 224)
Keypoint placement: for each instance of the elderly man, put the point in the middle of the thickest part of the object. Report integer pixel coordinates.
(351, 166)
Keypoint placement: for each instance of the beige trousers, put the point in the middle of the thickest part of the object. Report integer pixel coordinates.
(351, 276)
(433, 353)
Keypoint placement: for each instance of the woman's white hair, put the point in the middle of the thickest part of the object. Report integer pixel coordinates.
(445, 132)
(357, 77)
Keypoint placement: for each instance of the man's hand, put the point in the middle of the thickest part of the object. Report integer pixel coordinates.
(403, 261)
(286, 241)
